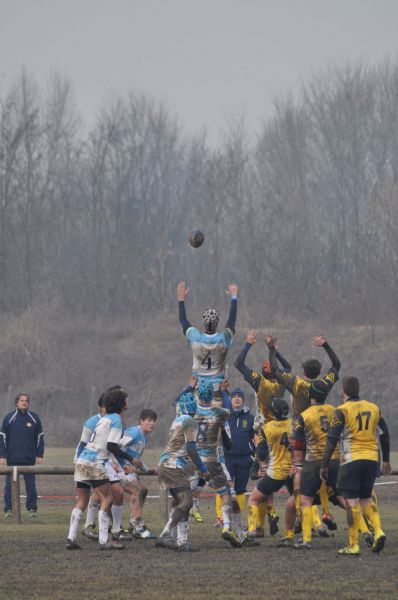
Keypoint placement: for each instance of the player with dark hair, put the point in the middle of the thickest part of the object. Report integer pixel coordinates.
(121, 472)
(356, 423)
(90, 468)
(274, 443)
(172, 475)
(310, 435)
(209, 347)
(299, 388)
(266, 388)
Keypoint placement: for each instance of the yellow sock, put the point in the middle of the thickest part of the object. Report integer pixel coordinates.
(323, 495)
(241, 498)
(289, 534)
(270, 510)
(306, 523)
(297, 501)
(373, 515)
(262, 509)
(374, 498)
(218, 506)
(315, 517)
(363, 528)
(252, 518)
(353, 518)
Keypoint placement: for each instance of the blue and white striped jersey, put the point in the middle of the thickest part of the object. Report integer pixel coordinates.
(108, 429)
(210, 353)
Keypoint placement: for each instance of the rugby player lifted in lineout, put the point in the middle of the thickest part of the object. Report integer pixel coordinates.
(209, 347)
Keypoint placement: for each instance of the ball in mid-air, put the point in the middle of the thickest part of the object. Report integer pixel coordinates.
(196, 238)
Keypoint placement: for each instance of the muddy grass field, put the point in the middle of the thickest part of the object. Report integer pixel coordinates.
(35, 563)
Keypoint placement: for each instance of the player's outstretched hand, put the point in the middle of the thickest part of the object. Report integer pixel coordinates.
(182, 291)
(232, 289)
(386, 468)
(270, 341)
(319, 340)
(251, 337)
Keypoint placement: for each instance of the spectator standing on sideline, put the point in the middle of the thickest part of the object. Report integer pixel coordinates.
(21, 443)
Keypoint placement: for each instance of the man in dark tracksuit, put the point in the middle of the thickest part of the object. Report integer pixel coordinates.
(238, 459)
(21, 443)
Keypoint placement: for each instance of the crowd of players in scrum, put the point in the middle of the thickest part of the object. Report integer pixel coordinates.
(297, 451)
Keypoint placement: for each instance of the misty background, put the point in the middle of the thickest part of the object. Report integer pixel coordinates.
(296, 193)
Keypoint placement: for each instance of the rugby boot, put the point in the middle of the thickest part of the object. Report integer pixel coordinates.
(369, 539)
(187, 548)
(196, 515)
(90, 532)
(72, 545)
(260, 532)
(329, 521)
(166, 541)
(285, 543)
(273, 519)
(250, 541)
(378, 543)
(228, 535)
(349, 551)
(143, 533)
(303, 545)
(111, 545)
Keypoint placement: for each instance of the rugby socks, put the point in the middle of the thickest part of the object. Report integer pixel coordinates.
(182, 533)
(218, 506)
(323, 495)
(306, 523)
(252, 519)
(117, 512)
(262, 510)
(226, 515)
(315, 517)
(297, 502)
(363, 528)
(74, 523)
(289, 534)
(237, 524)
(353, 518)
(372, 513)
(103, 525)
(195, 506)
(241, 501)
(92, 513)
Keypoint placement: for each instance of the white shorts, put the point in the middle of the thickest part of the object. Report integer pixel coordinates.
(121, 476)
(85, 473)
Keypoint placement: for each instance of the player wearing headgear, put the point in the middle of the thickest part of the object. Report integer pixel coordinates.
(299, 387)
(209, 347)
(211, 422)
(310, 435)
(356, 423)
(172, 475)
(90, 468)
(276, 439)
(124, 479)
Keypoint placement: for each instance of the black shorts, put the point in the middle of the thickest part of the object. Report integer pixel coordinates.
(267, 486)
(94, 483)
(310, 479)
(356, 479)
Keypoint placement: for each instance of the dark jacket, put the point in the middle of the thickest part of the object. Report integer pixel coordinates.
(240, 429)
(21, 438)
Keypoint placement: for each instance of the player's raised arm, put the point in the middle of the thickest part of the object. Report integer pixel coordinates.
(233, 309)
(182, 292)
(284, 377)
(320, 340)
(247, 372)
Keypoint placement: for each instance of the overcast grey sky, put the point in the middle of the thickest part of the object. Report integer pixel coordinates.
(208, 59)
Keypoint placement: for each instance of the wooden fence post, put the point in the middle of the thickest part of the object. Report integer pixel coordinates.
(16, 497)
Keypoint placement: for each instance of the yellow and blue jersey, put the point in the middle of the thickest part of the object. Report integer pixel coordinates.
(356, 423)
(311, 430)
(276, 435)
